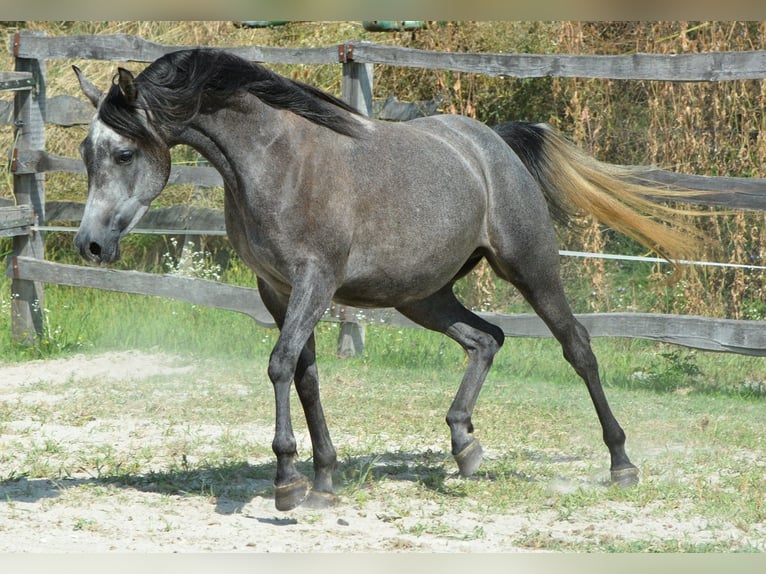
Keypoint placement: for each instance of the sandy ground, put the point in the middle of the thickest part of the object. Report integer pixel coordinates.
(80, 514)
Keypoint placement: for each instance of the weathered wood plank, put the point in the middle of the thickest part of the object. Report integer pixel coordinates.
(61, 111)
(722, 335)
(175, 218)
(201, 176)
(16, 220)
(64, 211)
(69, 111)
(180, 218)
(192, 290)
(16, 216)
(15, 231)
(727, 192)
(127, 48)
(120, 47)
(708, 66)
(12, 81)
(38, 161)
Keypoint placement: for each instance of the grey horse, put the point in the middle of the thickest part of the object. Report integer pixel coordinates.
(325, 204)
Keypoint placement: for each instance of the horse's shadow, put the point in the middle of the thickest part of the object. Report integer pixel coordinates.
(234, 485)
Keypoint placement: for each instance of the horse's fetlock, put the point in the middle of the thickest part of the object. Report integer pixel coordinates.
(285, 446)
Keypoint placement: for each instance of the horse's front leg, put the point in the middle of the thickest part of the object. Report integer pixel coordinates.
(293, 357)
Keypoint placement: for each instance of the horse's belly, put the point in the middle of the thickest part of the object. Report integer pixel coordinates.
(400, 283)
(382, 294)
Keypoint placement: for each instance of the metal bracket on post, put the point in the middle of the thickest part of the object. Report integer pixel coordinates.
(346, 52)
(16, 44)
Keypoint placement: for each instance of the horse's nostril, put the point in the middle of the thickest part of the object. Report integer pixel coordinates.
(94, 248)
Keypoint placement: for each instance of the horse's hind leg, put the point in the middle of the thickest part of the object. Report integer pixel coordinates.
(481, 340)
(536, 275)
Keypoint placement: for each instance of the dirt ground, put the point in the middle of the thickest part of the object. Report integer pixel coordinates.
(79, 514)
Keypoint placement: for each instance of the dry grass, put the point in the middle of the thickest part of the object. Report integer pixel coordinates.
(711, 128)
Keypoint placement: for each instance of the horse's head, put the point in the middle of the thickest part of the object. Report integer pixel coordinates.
(127, 168)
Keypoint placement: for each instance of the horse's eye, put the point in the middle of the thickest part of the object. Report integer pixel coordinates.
(124, 156)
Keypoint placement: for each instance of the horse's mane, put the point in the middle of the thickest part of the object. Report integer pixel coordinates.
(181, 84)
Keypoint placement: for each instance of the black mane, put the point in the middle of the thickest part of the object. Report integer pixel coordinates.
(181, 84)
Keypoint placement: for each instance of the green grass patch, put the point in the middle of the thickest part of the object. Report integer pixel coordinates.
(80, 320)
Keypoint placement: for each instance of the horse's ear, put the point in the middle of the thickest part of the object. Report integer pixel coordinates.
(127, 84)
(91, 91)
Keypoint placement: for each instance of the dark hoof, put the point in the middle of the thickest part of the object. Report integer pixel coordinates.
(291, 495)
(625, 477)
(321, 500)
(469, 459)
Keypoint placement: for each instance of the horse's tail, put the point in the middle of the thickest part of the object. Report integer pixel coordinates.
(575, 183)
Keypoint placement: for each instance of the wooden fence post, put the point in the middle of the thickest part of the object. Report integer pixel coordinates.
(29, 189)
(356, 90)
(357, 82)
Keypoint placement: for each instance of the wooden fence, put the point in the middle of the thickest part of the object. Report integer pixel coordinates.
(30, 161)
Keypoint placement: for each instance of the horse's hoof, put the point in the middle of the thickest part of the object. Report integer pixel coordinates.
(625, 477)
(469, 459)
(318, 500)
(291, 495)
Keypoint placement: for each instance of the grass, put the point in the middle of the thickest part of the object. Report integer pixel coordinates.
(699, 442)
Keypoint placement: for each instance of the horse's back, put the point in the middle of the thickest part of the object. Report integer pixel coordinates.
(511, 189)
(480, 144)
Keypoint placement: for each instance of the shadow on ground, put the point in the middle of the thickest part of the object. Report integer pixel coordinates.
(234, 485)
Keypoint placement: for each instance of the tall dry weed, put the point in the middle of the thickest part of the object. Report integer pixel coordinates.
(707, 128)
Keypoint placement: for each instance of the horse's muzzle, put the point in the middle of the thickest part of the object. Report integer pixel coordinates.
(95, 251)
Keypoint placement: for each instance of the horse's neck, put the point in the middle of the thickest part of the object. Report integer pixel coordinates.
(254, 142)
(223, 136)
(207, 147)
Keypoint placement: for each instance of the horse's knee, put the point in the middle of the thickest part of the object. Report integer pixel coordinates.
(484, 345)
(281, 366)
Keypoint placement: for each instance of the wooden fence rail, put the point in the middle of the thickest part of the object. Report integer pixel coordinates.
(743, 337)
(30, 161)
(704, 67)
